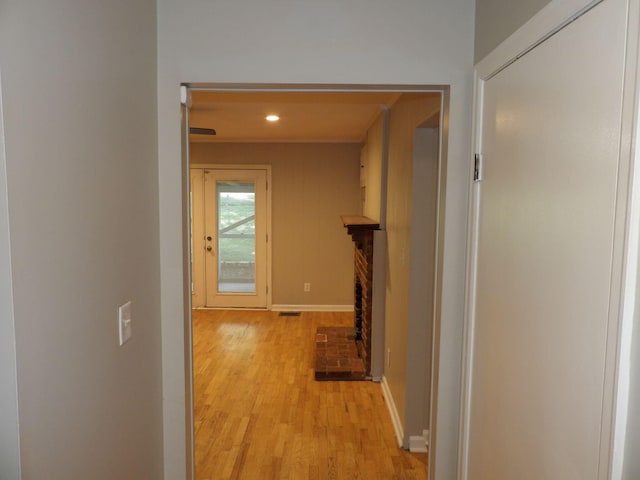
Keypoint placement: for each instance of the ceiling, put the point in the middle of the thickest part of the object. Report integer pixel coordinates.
(304, 116)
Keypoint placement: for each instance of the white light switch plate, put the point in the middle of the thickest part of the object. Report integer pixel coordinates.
(124, 323)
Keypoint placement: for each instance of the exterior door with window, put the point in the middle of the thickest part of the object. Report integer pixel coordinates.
(235, 238)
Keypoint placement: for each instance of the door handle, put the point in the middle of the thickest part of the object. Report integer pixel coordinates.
(209, 248)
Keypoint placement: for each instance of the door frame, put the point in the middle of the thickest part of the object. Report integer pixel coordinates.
(267, 170)
(185, 98)
(626, 243)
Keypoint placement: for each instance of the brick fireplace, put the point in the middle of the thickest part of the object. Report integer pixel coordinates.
(361, 231)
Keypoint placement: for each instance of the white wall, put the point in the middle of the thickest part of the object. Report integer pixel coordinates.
(362, 41)
(9, 439)
(78, 91)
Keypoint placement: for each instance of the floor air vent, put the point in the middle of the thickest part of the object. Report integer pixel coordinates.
(289, 314)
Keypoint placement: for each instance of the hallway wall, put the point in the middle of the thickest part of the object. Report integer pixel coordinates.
(81, 208)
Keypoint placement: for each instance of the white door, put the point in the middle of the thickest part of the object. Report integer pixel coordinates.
(550, 133)
(234, 238)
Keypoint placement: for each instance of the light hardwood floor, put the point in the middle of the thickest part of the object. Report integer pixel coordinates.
(259, 413)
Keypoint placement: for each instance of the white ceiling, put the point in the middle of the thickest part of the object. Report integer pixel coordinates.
(304, 116)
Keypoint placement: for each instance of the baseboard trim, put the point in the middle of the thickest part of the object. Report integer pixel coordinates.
(312, 308)
(393, 411)
(419, 443)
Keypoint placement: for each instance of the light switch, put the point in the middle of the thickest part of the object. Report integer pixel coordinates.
(124, 323)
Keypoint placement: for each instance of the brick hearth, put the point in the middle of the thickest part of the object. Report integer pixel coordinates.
(337, 355)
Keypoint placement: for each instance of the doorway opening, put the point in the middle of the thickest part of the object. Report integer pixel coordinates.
(376, 188)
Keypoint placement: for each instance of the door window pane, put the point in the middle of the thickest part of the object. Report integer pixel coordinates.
(236, 237)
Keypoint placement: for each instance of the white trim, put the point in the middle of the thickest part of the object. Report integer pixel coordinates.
(312, 87)
(620, 345)
(627, 315)
(239, 87)
(312, 308)
(187, 298)
(393, 411)
(10, 418)
(470, 288)
(419, 443)
(552, 16)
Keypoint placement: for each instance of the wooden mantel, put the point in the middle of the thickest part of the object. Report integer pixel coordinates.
(357, 224)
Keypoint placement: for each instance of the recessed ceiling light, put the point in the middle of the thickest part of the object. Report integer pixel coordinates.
(272, 118)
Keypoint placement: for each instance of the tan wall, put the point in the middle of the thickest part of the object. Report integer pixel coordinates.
(406, 115)
(372, 169)
(422, 276)
(312, 185)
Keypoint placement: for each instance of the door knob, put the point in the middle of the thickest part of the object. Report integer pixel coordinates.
(209, 238)
(209, 248)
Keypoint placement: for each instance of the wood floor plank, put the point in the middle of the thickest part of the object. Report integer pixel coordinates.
(259, 413)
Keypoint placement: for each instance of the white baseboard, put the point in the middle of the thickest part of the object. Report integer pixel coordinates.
(419, 443)
(312, 308)
(393, 411)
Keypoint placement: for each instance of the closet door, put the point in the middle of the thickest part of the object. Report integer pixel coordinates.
(551, 128)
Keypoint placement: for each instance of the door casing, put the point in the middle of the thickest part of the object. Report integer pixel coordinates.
(198, 252)
(444, 91)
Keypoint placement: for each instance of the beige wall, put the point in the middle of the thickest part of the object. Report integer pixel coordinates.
(79, 101)
(406, 115)
(372, 169)
(497, 19)
(312, 185)
(422, 272)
